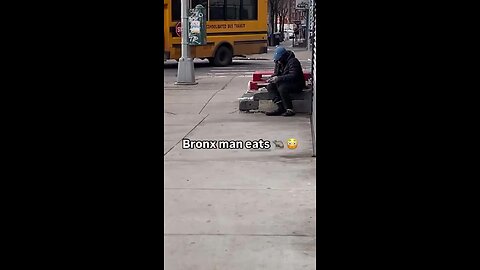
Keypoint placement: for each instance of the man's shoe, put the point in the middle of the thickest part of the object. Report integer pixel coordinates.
(289, 112)
(276, 112)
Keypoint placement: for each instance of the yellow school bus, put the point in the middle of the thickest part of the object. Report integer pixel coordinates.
(234, 28)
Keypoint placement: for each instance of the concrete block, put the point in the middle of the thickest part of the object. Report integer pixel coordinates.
(266, 106)
(262, 96)
(305, 94)
(246, 105)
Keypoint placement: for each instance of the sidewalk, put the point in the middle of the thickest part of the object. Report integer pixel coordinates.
(235, 209)
(300, 52)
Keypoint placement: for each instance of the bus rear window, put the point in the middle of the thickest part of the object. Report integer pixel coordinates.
(176, 8)
(217, 10)
(249, 10)
(222, 10)
(204, 3)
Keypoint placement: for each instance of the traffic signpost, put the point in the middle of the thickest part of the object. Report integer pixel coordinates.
(186, 72)
(197, 35)
(178, 29)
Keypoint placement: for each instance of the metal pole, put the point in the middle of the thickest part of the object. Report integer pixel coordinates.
(186, 72)
(308, 26)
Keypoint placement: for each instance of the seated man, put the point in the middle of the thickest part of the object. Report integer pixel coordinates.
(287, 77)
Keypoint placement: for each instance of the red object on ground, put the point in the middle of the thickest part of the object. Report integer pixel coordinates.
(257, 75)
(252, 85)
(260, 77)
(307, 75)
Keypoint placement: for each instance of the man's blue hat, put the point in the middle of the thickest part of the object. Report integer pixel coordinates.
(279, 51)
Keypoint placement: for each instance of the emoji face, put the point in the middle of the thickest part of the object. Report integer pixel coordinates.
(292, 143)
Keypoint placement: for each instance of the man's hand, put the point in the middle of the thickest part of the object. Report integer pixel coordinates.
(273, 79)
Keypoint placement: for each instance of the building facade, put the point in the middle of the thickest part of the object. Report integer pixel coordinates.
(314, 74)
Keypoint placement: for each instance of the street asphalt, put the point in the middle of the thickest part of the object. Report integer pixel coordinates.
(240, 66)
(235, 209)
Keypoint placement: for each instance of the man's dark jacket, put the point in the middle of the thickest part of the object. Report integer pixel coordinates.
(288, 69)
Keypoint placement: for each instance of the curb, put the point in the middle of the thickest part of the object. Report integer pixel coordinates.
(250, 58)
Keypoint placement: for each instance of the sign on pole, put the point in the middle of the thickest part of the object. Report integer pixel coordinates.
(197, 26)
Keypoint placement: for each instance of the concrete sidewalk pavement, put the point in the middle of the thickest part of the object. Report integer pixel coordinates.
(300, 52)
(235, 209)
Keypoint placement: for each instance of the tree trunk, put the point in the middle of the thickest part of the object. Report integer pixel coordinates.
(282, 26)
(275, 24)
(275, 14)
(272, 23)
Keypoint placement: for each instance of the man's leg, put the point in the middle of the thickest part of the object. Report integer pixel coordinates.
(284, 91)
(273, 90)
(277, 99)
